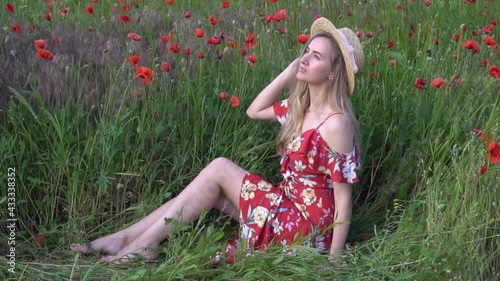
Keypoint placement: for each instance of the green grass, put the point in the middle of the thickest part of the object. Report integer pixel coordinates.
(91, 157)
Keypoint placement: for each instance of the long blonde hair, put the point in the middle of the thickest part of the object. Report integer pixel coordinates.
(299, 99)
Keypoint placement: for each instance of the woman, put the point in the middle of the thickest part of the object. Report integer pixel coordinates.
(319, 142)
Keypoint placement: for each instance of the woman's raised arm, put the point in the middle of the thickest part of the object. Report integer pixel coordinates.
(262, 106)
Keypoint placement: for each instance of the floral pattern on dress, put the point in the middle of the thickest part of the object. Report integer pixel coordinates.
(303, 202)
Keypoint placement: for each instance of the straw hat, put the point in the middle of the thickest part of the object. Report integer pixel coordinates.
(350, 46)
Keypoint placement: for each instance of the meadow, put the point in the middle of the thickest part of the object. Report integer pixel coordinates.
(109, 108)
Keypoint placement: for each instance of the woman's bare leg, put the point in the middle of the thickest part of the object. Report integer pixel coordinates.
(113, 243)
(220, 178)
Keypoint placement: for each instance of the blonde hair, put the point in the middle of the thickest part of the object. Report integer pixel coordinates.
(299, 99)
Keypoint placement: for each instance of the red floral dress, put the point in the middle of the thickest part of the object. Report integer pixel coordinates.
(302, 204)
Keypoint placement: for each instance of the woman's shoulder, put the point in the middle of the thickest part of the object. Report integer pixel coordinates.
(338, 133)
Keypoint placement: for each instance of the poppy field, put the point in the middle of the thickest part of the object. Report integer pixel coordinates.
(109, 108)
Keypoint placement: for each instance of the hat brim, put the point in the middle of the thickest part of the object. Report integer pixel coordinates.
(323, 24)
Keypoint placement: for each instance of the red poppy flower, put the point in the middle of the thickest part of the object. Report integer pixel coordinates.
(232, 44)
(471, 45)
(456, 37)
(170, 2)
(374, 74)
(213, 20)
(125, 18)
(392, 62)
(280, 15)
(252, 59)
(302, 38)
(201, 55)
(40, 44)
(490, 41)
(399, 7)
(427, 3)
(225, 4)
(483, 171)
(494, 152)
(214, 40)
(126, 8)
(244, 51)
(438, 82)
(187, 51)
(234, 101)
(64, 11)
(219, 56)
(90, 28)
(48, 16)
(359, 33)
(250, 40)
(165, 38)
(390, 44)
(9, 7)
(369, 34)
(487, 28)
(44, 54)
(222, 95)
(187, 14)
(95, 1)
(16, 28)
(269, 18)
(494, 71)
(174, 48)
(145, 73)
(134, 36)
(165, 66)
(134, 59)
(484, 62)
(436, 41)
(420, 82)
(484, 137)
(89, 10)
(457, 81)
(199, 32)
(281, 30)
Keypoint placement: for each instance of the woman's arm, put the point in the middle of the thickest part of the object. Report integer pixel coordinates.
(343, 212)
(262, 106)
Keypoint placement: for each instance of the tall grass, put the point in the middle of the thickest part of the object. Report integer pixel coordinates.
(92, 155)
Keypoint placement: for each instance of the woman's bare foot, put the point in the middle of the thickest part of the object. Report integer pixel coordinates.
(134, 251)
(107, 244)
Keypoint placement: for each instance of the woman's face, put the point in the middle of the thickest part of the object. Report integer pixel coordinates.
(315, 64)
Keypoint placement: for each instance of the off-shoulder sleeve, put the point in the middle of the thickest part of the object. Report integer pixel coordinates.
(343, 167)
(281, 110)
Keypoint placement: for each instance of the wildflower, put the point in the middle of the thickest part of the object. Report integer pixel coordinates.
(213, 40)
(90, 29)
(134, 36)
(494, 71)
(157, 116)
(369, 34)
(225, 5)
(281, 30)
(213, 20)
(125, 18)
(89, 10)
(187, 14)
(16, 28)
(392, 62)
(484, 62)
(200, 55)
(390, 44)
(484, 137)
(165, 66)
(187, 51)
(438, 82)
(490, 41)
(457, 81)
(456, 37)
(170, 2)
(250, 40)
(494, 152)
(234, 101)
(9, 7)
(222, 95)
(427, 3)
(174, 48)
(252, 59)
(44, 54)
(243, 51)
(48, 16)
(269, 18)
(165, 38)
(280, 15)
(199, 32)
(420, 82)
(145, 73)
(488, 28)
(40, 44)
(134, 59)
(64, 11)
(302, 38)
(471, 45)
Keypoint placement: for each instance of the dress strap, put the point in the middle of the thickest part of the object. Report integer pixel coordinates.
(327, 119)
